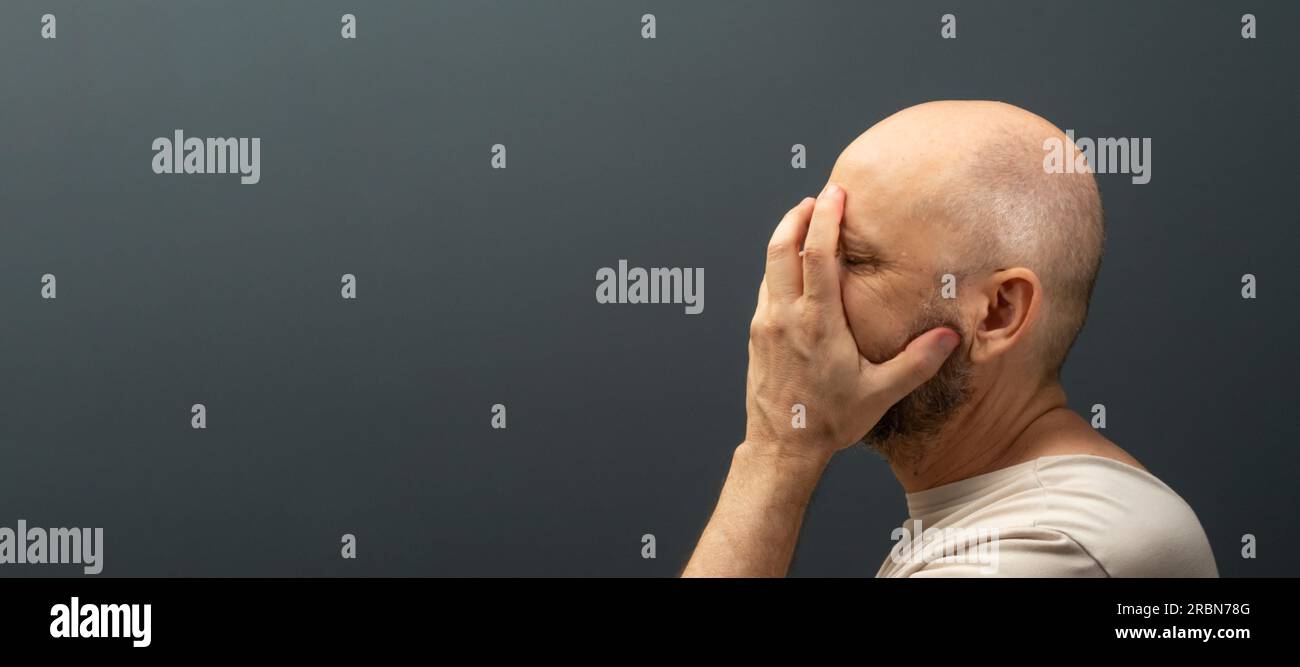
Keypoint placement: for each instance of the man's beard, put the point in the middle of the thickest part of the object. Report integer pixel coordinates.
(911, 426)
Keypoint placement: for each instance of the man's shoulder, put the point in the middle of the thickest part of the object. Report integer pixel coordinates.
(1073, 515)
(1125, 518)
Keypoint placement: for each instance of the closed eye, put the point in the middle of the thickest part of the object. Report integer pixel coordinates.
(863, 262)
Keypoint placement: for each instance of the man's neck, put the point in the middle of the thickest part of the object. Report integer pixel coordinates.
(997, 429)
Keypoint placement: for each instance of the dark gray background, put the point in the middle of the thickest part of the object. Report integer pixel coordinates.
(477, 286)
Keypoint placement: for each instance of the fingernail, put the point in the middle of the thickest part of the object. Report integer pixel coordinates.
(830, 190)
(948, 342)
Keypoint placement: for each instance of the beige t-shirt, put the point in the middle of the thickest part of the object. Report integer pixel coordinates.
(1056, 516)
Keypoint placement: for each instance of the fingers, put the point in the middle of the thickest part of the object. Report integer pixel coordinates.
(784, 267)
(821, 276)
(918, 362)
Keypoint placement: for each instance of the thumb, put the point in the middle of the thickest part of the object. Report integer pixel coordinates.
(918, 362)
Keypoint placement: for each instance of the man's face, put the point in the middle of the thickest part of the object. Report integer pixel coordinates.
(890, 284)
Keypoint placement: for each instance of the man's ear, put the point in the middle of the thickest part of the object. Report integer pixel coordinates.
(1009, 302)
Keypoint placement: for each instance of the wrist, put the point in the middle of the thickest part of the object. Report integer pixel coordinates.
(781, 460)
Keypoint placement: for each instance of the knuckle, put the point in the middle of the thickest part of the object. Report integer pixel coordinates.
(814, 255)
(764, 327)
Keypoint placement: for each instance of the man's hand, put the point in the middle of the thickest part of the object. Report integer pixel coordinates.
(801, 351)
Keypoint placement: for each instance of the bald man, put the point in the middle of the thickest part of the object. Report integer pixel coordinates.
(924, 304)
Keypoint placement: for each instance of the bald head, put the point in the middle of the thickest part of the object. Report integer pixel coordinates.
(969, 176)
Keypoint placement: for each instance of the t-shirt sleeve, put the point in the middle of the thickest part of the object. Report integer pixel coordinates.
(1036, 552)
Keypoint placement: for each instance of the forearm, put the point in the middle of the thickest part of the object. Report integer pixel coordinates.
(755, 526)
